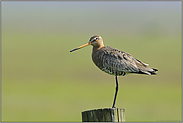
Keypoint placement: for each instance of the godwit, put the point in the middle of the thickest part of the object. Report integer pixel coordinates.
(115, 62)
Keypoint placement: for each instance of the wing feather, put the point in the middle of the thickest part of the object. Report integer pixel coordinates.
(118, 60)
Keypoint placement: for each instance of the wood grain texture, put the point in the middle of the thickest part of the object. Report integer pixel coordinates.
(104, 115)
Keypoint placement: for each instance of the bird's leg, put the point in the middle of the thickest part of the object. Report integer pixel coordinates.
(113, 106)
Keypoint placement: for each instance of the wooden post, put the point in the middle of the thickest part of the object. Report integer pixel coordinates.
(104, 115)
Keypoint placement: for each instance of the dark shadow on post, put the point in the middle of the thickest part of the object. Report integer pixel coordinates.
(104, 115)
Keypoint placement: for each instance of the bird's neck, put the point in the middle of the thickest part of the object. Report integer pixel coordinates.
(98, 47)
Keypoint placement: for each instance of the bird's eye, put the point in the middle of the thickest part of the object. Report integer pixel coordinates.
(94, 39)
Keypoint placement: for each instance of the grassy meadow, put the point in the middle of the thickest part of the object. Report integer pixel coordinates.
(43, 81)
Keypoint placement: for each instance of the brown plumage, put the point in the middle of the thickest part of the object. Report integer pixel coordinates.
(114, 61)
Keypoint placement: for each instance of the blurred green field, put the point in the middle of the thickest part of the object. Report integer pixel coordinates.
(43, 81)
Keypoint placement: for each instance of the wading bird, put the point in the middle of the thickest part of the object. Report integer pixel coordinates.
(115, 62)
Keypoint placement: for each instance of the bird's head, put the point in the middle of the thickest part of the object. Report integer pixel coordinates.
(95, 41)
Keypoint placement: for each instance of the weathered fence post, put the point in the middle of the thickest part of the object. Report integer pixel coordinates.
(104, 115)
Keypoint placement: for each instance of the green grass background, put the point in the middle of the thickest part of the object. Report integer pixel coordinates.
(43, 81)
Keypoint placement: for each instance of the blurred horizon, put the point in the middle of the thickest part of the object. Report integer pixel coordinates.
(82, 16)
(43, 81)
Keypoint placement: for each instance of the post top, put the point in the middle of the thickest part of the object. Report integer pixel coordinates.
(104, 109)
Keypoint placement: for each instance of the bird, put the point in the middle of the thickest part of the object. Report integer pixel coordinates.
(115, 62)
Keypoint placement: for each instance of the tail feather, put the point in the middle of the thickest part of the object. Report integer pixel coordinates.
(155, 69)
(152, 72)
(144, 68)
(148, 72)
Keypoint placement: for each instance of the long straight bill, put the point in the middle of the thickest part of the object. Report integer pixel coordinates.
(80, 47)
